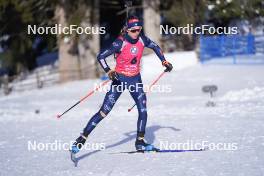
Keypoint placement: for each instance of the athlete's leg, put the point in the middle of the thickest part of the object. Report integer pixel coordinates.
(109, 101)
(110, 98)
(139, 96)
(140, 99)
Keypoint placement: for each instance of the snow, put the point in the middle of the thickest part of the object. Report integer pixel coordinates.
(179, 116)
(245, 95)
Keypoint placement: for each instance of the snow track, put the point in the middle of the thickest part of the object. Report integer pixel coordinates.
(176, 117)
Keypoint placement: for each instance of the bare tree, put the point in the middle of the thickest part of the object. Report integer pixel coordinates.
(152, 19)
(89, 45)
(69, 64)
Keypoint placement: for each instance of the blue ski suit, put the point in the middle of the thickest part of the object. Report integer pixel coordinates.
(132, 83)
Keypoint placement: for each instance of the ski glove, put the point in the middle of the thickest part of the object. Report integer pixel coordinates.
(112, 75)
(168, 66)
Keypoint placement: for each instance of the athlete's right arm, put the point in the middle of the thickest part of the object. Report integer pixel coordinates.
(115, 47)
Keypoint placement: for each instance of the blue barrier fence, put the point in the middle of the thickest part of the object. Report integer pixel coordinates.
(231, 45)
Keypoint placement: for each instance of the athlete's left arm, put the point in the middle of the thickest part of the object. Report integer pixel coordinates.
(152, 45)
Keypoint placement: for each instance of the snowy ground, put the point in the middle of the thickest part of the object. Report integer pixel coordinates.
(176, 117)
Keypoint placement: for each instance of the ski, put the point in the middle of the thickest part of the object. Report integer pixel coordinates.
(160, 151)
(74, 159)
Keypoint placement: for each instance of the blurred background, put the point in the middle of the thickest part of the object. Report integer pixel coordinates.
(35, 61)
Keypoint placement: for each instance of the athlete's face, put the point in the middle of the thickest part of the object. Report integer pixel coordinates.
(134, 32)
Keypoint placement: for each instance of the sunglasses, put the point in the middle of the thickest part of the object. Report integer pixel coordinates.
(134, 30)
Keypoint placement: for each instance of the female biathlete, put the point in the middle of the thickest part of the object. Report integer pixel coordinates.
(128, 49)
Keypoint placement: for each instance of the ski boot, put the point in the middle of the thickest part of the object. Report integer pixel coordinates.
(142, 146)
(77, 145)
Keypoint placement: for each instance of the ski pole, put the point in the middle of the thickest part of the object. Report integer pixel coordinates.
(82, 99)
(154, 82)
